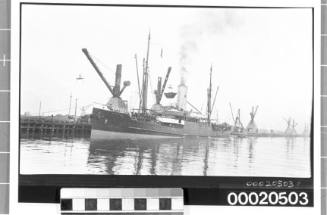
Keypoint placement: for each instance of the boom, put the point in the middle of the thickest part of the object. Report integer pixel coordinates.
(214, 100)
(231, 110)
(138, 78)
(164, 84)
(85, 51)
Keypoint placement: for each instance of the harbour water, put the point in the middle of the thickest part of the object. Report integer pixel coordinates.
(264, 156)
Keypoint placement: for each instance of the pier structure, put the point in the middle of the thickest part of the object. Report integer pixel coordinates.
(34, 127)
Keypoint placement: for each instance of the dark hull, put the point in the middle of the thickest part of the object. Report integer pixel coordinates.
(113, 125)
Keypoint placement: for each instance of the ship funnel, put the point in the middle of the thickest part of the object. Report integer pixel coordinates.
(182, 96)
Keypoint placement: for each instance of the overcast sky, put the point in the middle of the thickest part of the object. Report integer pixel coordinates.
(259, 57)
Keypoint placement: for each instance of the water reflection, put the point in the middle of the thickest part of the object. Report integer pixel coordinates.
(200, 156)
(288, 157)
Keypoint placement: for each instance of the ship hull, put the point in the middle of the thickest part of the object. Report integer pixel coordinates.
(109, 125)
(115, 135)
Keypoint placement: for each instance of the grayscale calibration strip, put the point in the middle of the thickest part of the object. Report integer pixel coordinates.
(122, 201)
(323, 106)
(4, 104)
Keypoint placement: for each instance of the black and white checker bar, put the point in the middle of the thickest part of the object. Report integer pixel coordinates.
(121, 201)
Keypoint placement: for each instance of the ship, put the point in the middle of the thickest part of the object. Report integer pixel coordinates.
(114, 121)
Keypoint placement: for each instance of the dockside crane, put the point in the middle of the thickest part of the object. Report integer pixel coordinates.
(238, 126)
(252, 127)
(288, 130)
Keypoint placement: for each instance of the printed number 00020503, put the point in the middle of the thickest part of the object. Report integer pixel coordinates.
(264, 198)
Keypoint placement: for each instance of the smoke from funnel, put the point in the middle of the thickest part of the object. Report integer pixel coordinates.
(188, 48)
(210, 24)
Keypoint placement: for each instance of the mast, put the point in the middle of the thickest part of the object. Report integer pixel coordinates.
(70, 104)
(142, 90)
(40, 108)
(75, 109)
(138, 78)
(209, 97)
(145, 79)
(158, 91)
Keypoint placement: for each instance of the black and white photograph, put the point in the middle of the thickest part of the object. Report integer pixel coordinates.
(166, 91)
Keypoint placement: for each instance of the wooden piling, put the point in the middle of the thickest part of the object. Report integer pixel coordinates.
(49, 127)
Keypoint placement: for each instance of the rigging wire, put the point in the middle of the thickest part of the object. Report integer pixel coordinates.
(103, 64)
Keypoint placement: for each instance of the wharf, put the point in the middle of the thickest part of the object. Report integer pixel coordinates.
(34, 127)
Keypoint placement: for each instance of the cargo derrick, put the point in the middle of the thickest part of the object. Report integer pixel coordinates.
(115, 103)
(157, 107)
